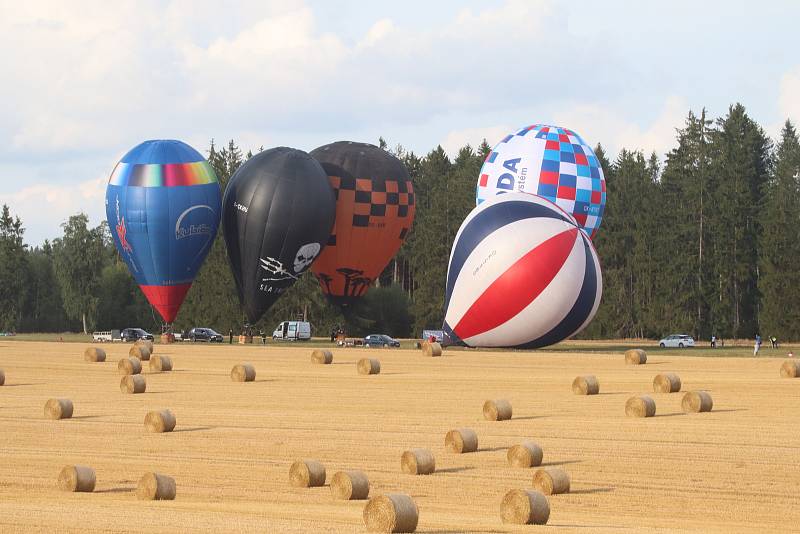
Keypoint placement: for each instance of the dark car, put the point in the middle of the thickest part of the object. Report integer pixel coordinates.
(204, 334)
(135, 334)
(380, 340)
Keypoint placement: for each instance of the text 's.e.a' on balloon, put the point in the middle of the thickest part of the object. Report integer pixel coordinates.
(277, 215)
(552, 162)
(163, 210)
(374, 213)
(521, 274)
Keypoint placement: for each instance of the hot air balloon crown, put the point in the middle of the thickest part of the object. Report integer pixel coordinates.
(163, 208)
(162, 163)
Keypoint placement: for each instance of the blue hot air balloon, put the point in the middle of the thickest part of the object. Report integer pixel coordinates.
(163, 209)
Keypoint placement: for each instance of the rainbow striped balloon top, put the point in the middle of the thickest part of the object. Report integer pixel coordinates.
(162, 163)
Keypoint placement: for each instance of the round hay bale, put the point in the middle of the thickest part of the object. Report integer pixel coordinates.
(94, 354)
(551, 480)
(497, 410)
(77, 478)
(349, 485)
(2, 377)
(666, 383)
(697, 401)
(129, 366)
(58, 409)
(160, 364)
(369, 366)
(159, 421)
(139, 351)
(133, 384)
(156, 487)
(525, 454)
(323, 357)
(461, 440)
(392, 512)
(790, 369)
(586, 385)
(146, 343)
(431, 349)
(307, 474)
(642, 406)
(635, 357)
(244, 372)
(418, 462)
(525, 507)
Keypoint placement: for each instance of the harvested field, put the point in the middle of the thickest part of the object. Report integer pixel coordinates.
(730, 469)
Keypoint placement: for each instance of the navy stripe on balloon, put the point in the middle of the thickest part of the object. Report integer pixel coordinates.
(580, 310)
(485, 223)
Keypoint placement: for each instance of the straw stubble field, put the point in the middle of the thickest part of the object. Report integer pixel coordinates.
(733, 469)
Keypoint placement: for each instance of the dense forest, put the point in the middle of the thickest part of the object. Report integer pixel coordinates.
(702, 240)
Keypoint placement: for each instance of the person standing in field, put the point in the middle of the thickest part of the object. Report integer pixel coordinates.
(230, 336)
(713, 342)
(757, 345)
(774, 341)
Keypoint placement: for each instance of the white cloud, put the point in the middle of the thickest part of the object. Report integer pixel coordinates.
(456, 139)
(614, 130)
(43, 207)
(789, 96)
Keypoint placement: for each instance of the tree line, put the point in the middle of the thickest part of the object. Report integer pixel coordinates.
(703, 240)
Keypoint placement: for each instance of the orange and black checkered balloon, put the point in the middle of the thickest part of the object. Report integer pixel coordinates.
(374, 213)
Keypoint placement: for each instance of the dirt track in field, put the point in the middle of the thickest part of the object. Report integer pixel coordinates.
(735, 469)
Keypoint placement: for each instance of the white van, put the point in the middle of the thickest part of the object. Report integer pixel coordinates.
(293, 331)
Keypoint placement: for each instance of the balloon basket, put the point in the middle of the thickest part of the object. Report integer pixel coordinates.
(245, 339)
(167, 337)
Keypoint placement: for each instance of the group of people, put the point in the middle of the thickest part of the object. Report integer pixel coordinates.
(247, 331)
(772, 339)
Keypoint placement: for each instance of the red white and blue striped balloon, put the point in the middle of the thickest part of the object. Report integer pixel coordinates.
(522, 274)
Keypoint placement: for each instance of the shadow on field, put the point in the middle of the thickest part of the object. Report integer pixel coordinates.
(529, 417)
(491, 449)
(116, 490)
(195, 429)
(86, 416)
(14, 385)
(730, 410)
(454, 469)
(562, 462)
(590, 491)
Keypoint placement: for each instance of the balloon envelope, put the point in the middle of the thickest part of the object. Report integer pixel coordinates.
(552, 162)
(163, 209)
(374, 213)
(277, 215)
(521, 274)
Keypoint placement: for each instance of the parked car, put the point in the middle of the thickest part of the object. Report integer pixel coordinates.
(292, 331)
(380, 340)
(677, 340)
(135, 334)
(205, 334)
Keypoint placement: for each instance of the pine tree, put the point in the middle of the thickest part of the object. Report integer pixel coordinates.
(779, 246)
(14, 272)
(740, 162)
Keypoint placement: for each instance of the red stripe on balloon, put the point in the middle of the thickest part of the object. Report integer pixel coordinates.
(514, 290)
(166, 300)
(177, 174)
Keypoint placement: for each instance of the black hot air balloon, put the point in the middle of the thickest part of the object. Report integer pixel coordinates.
(277, 215)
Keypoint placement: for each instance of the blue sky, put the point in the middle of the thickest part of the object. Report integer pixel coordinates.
(86, 81)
